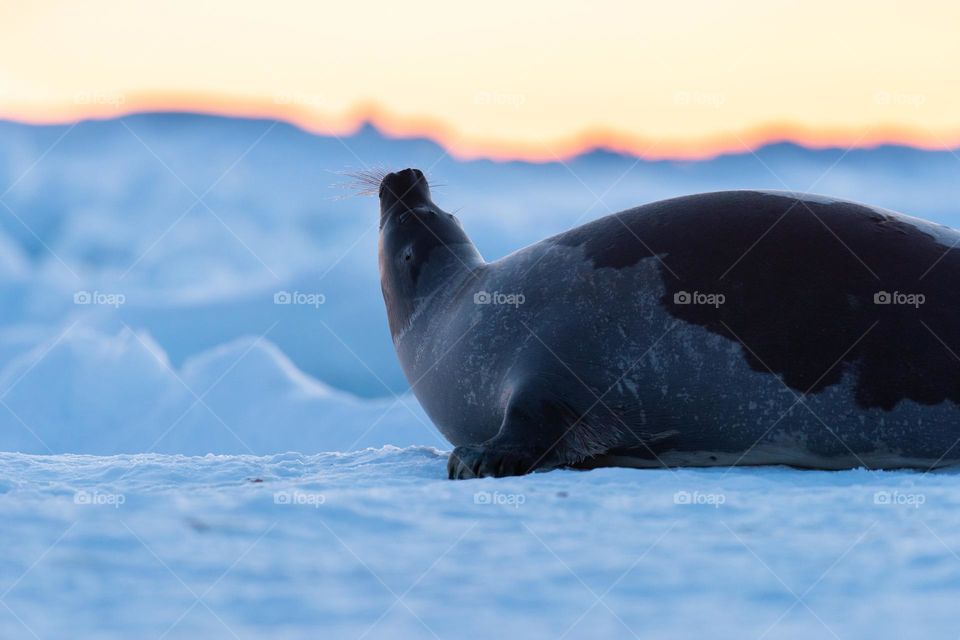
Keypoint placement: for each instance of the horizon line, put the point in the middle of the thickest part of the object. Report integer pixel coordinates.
(112, 106)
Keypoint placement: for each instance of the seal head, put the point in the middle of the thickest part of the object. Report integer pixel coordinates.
(422, 247)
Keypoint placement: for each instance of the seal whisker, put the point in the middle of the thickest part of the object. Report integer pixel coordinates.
(363, 182)
(366, 182)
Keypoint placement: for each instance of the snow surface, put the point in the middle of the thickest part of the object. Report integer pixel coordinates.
(377, 544)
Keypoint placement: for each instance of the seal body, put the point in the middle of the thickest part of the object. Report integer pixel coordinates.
(740, 327)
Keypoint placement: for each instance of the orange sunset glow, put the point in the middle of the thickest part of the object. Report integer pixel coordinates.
(530, 80)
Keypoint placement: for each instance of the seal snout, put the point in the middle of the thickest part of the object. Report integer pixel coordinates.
(408, 187)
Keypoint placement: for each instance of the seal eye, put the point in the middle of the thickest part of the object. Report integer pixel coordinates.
(407, 254)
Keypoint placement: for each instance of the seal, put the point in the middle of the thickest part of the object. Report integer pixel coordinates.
(728, 328)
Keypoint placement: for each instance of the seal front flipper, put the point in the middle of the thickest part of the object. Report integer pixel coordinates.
(490, 459)
(537, 432)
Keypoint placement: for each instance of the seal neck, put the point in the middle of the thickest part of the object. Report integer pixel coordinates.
(422, 263)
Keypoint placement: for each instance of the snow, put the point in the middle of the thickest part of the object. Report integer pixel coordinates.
(377, 544)
(89, 392)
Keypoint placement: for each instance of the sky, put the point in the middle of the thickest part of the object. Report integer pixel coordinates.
(532, 79)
